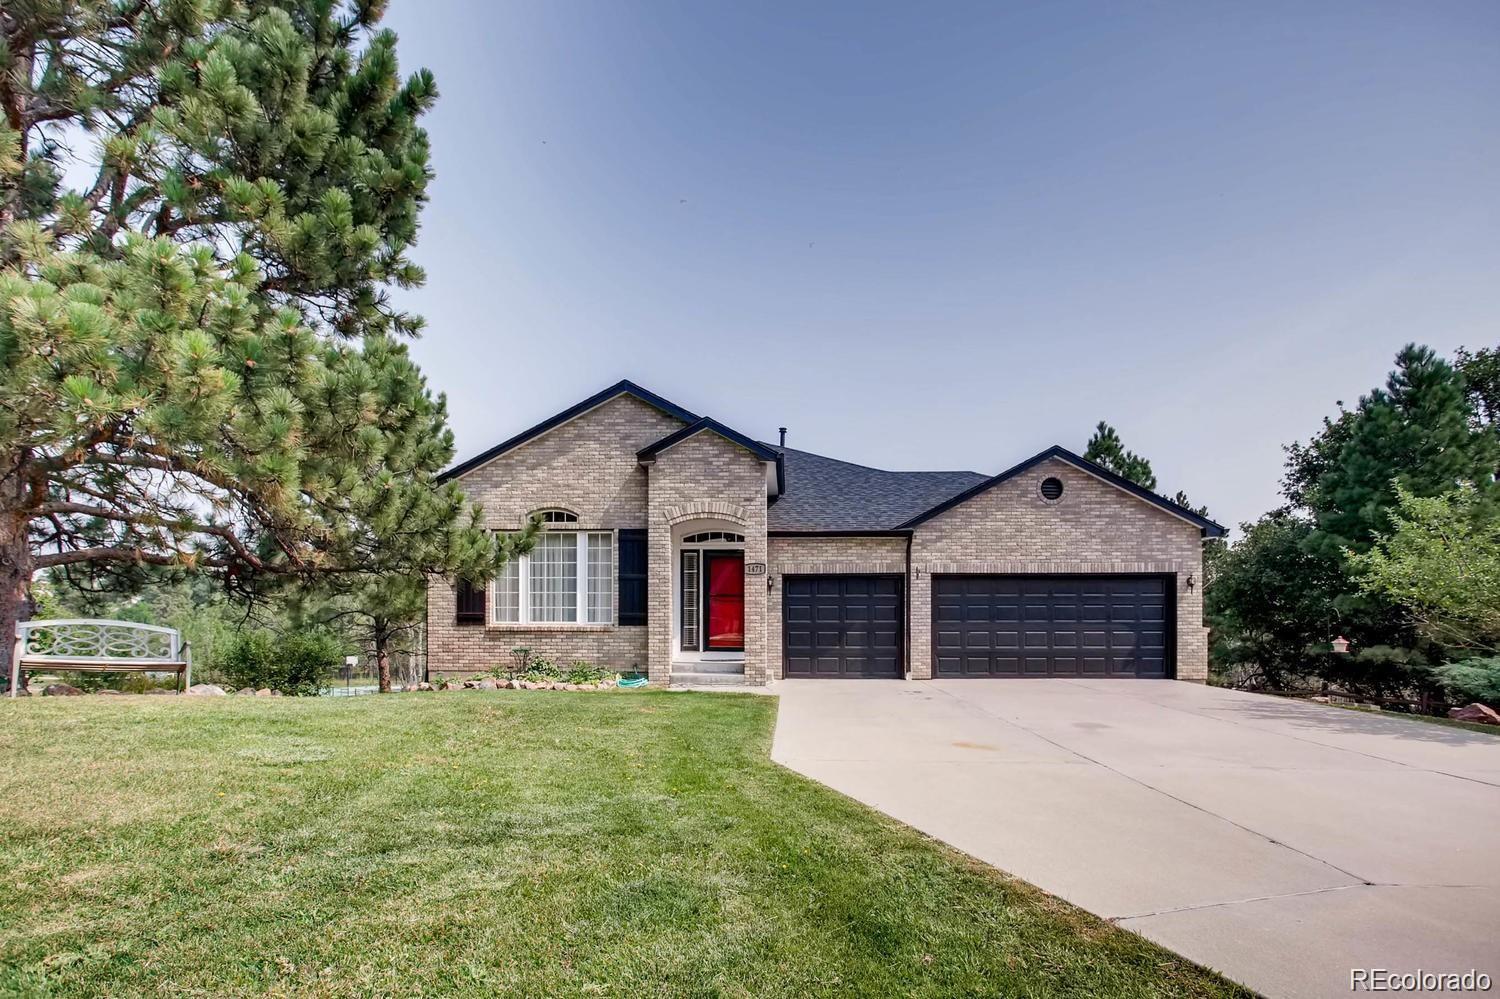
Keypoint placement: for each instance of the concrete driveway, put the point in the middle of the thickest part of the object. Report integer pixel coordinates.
(1281, 843)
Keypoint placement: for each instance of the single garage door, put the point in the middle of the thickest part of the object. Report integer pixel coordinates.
(842, 626)
(1104, 626)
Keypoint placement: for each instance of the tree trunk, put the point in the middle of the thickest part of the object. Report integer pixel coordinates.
(15, 585)
(383, 659)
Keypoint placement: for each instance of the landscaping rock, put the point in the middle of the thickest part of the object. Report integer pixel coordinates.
(488, 683)
(206, 690)
(1475, 712)
(108, 691)
(425, 686)
(60, 690)
(160, 692)
(246, 691)
(263, 692)
(275, 693)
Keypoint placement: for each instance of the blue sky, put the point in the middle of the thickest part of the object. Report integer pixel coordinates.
(950, 235)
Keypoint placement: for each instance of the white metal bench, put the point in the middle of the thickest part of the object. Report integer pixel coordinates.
(96, 646)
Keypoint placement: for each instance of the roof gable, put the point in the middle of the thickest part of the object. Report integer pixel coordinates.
(1209, 528)
(622, 387)
(764, 452)
(700, 425)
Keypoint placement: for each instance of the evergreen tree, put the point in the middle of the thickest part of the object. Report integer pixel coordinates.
(1307, 463)
(1417, 434)
(199, 363)
(1105, 448)
(383, 612)
(1481, 373)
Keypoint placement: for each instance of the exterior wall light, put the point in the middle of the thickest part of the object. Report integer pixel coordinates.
(1341, 645)
(1190, 582)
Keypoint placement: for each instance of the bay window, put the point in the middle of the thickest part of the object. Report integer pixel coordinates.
(567, 579)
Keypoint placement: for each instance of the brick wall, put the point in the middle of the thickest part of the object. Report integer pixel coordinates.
(705, 478)
(1092, 528)
(822, 556)
(588, 466)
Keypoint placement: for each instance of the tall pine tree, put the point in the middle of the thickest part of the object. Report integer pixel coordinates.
(1105, 448)
(200, 365)
(1418, 432)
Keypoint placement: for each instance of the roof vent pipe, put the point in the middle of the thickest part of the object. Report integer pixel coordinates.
(782, 431)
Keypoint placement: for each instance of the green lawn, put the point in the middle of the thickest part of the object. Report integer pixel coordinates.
(480, 843)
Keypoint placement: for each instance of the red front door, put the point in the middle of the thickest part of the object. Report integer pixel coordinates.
(726, 599)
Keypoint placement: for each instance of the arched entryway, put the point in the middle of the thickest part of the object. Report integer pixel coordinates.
(708, 620)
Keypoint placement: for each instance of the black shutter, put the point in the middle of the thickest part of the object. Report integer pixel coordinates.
(633, 576)
(470, 603)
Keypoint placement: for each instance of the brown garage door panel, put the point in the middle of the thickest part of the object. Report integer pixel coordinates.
(842, 626)
(1099, 626)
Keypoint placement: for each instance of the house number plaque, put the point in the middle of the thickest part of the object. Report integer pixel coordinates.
(755, 568)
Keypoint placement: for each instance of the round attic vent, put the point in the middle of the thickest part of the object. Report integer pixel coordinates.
(1052, 488)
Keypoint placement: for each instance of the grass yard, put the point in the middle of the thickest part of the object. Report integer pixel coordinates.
(483, 843)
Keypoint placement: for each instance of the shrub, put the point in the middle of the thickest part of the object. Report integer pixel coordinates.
(299, 665)
(541, 670)
(580, 671)
(1472, 679)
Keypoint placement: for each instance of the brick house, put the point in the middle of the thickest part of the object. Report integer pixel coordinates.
(678, 546)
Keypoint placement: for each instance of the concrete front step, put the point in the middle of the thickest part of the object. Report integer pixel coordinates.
(684, 678)
(737, 668)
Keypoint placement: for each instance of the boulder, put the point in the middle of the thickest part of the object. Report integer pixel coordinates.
(470, 684)
(60, 690)
(424, 685)
(1475, 712)
(206, 690)
(263, 692)
(246, 691)
(488, 683)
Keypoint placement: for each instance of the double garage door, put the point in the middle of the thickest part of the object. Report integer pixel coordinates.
(982, 626)
(1104, 626)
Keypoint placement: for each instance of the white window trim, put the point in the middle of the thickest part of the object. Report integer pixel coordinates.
(523, 576)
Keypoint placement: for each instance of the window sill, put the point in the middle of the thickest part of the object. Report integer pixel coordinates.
(549, 626)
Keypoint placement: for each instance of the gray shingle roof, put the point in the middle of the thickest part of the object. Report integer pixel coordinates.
(825, 494)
